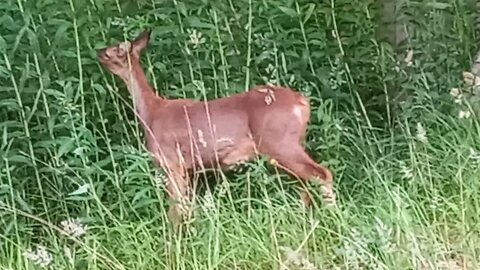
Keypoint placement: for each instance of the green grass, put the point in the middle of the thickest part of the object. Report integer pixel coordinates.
(71, 148)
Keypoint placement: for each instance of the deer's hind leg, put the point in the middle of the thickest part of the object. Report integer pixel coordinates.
(292, 158)
(284, 147)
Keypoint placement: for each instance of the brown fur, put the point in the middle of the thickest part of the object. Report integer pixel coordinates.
(184, 134)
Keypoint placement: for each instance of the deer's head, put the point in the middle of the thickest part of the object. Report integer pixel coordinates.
(118, 58)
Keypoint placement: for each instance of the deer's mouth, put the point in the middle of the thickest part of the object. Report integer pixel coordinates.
(102, 54)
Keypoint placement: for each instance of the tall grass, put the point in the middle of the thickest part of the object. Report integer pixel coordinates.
(406, 167)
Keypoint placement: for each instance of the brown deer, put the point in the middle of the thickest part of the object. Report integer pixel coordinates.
(186, 134)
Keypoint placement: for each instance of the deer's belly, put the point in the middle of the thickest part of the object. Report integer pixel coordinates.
(224, 152)
(195, 144)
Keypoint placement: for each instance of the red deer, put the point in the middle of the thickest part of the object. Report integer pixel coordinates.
(185, 134)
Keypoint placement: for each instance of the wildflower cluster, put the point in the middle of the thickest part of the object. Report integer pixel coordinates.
(42, 257)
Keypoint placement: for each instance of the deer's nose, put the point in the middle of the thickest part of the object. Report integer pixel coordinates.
(102, 52)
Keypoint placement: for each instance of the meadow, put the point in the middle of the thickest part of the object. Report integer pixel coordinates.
(79, 191)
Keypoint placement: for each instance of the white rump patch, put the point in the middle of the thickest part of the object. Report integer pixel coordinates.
(297, 111)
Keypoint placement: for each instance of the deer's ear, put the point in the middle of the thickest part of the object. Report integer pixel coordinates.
(141, 41)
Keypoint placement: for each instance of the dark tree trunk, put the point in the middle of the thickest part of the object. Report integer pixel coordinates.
(392, 28)
(476, 61)
(393, 24)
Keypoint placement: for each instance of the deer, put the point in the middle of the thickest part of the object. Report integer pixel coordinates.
(183, 134)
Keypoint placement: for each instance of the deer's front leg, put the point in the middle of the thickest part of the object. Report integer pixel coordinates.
(178, 191)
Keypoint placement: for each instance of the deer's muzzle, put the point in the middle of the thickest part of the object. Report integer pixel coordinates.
(102, 53)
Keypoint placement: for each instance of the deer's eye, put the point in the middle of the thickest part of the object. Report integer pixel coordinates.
(124, 47)
(117, 49)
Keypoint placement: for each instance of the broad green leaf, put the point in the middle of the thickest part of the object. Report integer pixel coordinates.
(308, 12)
(438, 5)
(66, 147)
(290, 12)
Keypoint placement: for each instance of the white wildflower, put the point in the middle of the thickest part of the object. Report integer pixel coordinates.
(470, 79)
(39, 256)
(407, 173)
(117, 21)
(295, 259)
(463, 114)
(259, 40)
(196, 38)
(455, 92)
(291, 79)
(269, 83)
(409, 58)
(359, 239)
(473, 153)
(384, 233)
(159, 180)
(209, 201)
(451, 264)
(354, 248)
(421, 133)
(474, 156)
(272, 75)
(73, 227)
(270, 69)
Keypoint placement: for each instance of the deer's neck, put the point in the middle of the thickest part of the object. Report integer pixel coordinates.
(142, 92)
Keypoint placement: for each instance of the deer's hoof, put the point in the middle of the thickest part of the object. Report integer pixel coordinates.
(330, 201)
(305, 199)
(177, 215)
(329, 197)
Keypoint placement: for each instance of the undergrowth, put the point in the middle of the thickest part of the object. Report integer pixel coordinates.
(78, 189)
